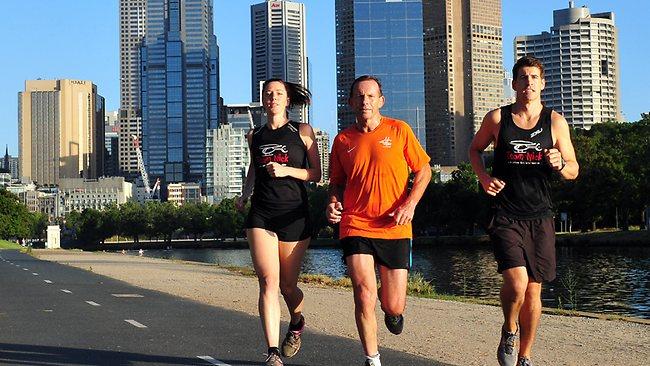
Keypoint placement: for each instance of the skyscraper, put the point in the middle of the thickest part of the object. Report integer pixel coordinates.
(323, 143)
(132, 32)
(179, 88)
(228, 160)
(278, 47)
(5, 160)
(580, 58)
(463, 55)
(382, 38)
(60, 130)
(111, 144)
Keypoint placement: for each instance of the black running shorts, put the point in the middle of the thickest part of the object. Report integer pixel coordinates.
(525, 243)
(288, 225)
(392, 253)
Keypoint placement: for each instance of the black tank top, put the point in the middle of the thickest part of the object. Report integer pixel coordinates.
(519, 161)
(283, 146)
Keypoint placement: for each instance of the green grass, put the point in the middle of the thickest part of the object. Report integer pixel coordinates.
(417, 286)
(5, 244)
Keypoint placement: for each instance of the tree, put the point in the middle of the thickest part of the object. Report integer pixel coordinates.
(226, 220)
(164, 219)
(39, 224)
(89, 227)
(195, 219)
(15, 220)
(109, 222)
(134, 220)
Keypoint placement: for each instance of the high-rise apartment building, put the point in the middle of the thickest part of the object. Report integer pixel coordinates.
(580, 58)
(323, 143)
(509, 95)
(133, 16)
(60, 130)
(279, 47)
(179, 88)
(111, 144)
(463, 58)
(228, 160)
(382, 38)
(238, 116)
(14, 167)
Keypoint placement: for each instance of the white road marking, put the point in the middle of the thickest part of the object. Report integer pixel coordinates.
(212, 361)
(127, 295)
(66, 291)
(134, 323)
(47, 281)
(92, 303)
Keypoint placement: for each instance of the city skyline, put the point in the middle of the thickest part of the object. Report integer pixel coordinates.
(86, 46)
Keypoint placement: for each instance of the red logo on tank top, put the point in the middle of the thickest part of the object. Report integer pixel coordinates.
(525, 152)
(273, 153)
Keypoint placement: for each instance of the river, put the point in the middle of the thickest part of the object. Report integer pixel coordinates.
(599, 279)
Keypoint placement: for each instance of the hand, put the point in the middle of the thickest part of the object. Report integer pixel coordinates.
(554, 158)
(276, 170)
(333, 212)
(403, 214)
(492, 185)
(240, 203)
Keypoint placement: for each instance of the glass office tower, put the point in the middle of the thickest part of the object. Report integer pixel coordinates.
(179, 88)
(382, 38)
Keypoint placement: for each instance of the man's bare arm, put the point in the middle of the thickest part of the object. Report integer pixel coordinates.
(483, 138)
(562, 157)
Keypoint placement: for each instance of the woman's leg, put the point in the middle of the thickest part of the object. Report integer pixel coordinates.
(291, 255)
(264, 253)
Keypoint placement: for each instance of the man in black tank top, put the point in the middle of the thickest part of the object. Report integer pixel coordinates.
(532, 143)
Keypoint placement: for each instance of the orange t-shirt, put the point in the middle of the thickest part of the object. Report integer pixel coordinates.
(374, 168)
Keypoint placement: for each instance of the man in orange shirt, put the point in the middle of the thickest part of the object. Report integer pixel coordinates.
(369, 170)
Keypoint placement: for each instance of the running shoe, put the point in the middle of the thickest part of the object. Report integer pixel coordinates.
(395, 324)
(369, 362)
(524, 361)
(291, 343)
(506, 353)
(273, 360)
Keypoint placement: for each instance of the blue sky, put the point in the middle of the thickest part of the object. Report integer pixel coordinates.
(79, 39)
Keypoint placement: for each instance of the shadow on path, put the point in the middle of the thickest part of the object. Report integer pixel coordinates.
(15, 354)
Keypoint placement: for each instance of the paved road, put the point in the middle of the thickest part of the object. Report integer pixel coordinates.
(51, 314)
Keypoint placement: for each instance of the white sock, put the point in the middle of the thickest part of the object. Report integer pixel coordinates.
(375, 359)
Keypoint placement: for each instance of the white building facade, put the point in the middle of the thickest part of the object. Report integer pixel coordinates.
(228, 158)
(580, 57)
(77, 194)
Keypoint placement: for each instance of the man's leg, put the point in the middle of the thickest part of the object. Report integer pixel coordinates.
(529, 316)
(392, 293)
(361, 268)
(513, 294)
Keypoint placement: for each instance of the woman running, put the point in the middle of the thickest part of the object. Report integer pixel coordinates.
(284, 155)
